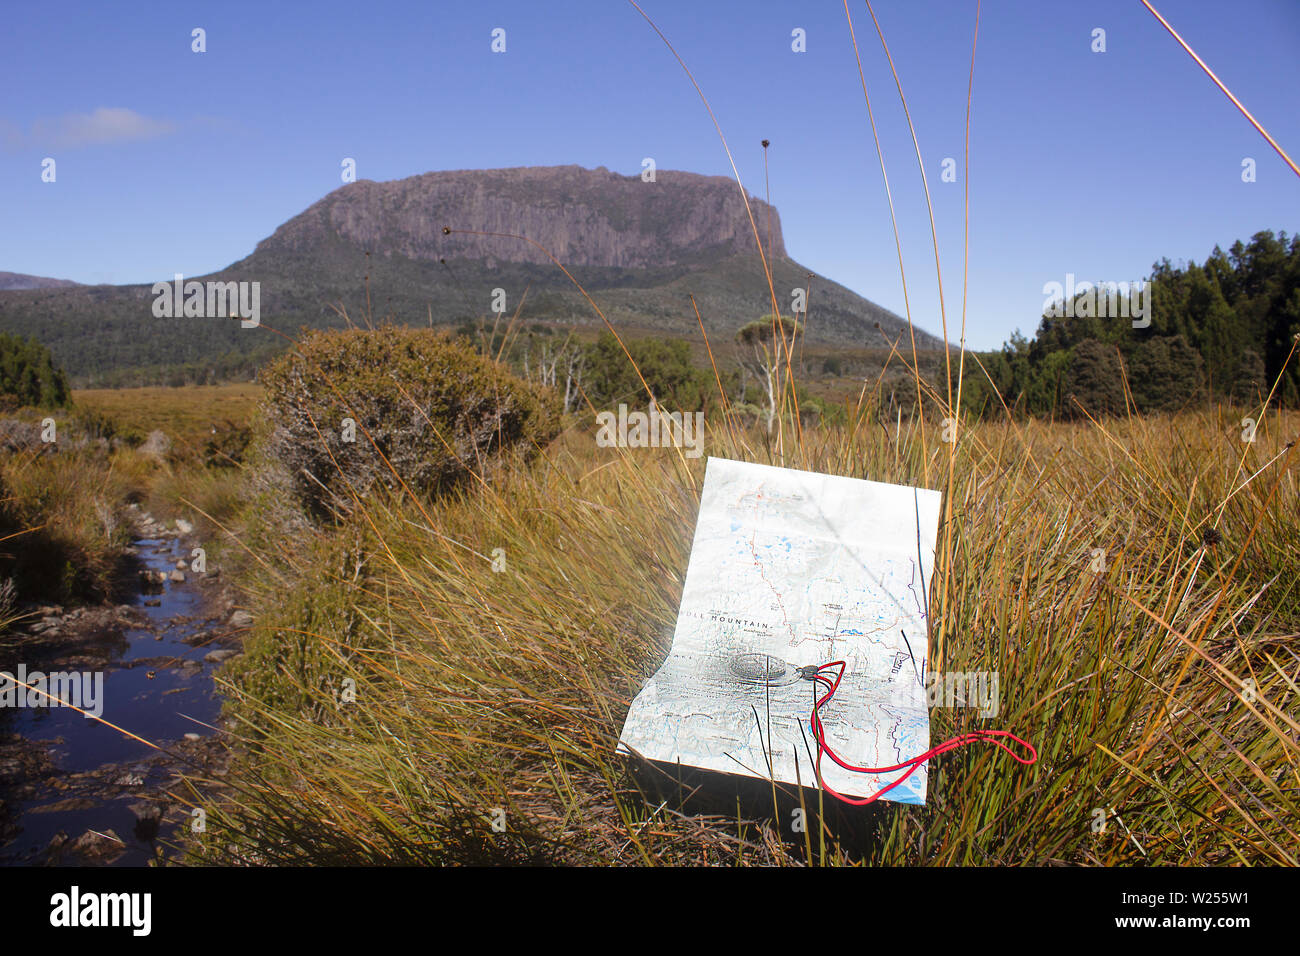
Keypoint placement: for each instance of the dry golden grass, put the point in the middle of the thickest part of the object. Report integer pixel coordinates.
(477, 690)
(187, 415)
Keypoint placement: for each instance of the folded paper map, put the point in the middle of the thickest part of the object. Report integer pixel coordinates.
(790, 568)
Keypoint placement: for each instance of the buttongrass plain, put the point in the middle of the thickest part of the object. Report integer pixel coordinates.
(1132, 581)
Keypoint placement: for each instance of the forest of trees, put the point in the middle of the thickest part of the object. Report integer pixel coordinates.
(1221, 330)
(227, 367)
(28, 375)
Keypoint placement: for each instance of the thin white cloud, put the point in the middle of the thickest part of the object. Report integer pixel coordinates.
(108, 124)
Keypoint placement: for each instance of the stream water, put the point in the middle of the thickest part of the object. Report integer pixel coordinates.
(76, 791)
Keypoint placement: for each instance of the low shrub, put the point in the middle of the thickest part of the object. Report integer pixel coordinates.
(351, 408)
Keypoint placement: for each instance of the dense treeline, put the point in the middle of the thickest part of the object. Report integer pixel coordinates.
(28, 375)
(1221, 330)
(229, 367)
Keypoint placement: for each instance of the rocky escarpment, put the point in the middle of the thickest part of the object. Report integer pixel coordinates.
(585, 217)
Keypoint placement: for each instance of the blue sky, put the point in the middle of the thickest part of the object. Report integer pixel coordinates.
(1095, 164)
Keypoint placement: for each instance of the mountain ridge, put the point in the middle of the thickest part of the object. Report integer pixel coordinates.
(378, 249)
(14, 281)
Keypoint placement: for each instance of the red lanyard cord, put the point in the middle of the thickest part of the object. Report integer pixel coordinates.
(914, 764)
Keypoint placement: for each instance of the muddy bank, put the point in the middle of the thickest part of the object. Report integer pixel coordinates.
(74, 791)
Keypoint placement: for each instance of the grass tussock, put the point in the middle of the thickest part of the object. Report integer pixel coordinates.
(64, 523)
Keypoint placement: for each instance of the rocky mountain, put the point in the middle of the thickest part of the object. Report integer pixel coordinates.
(584, 217)
(379, 249)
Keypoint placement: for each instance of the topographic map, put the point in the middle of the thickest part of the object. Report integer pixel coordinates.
(790, 568)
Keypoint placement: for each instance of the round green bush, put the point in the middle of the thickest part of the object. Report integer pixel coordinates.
(421, 407)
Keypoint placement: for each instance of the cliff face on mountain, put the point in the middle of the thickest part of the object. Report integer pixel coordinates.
(583, 217)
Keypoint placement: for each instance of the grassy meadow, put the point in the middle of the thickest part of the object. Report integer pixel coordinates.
(1133, 582)
(443, 679)
(186, 415)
